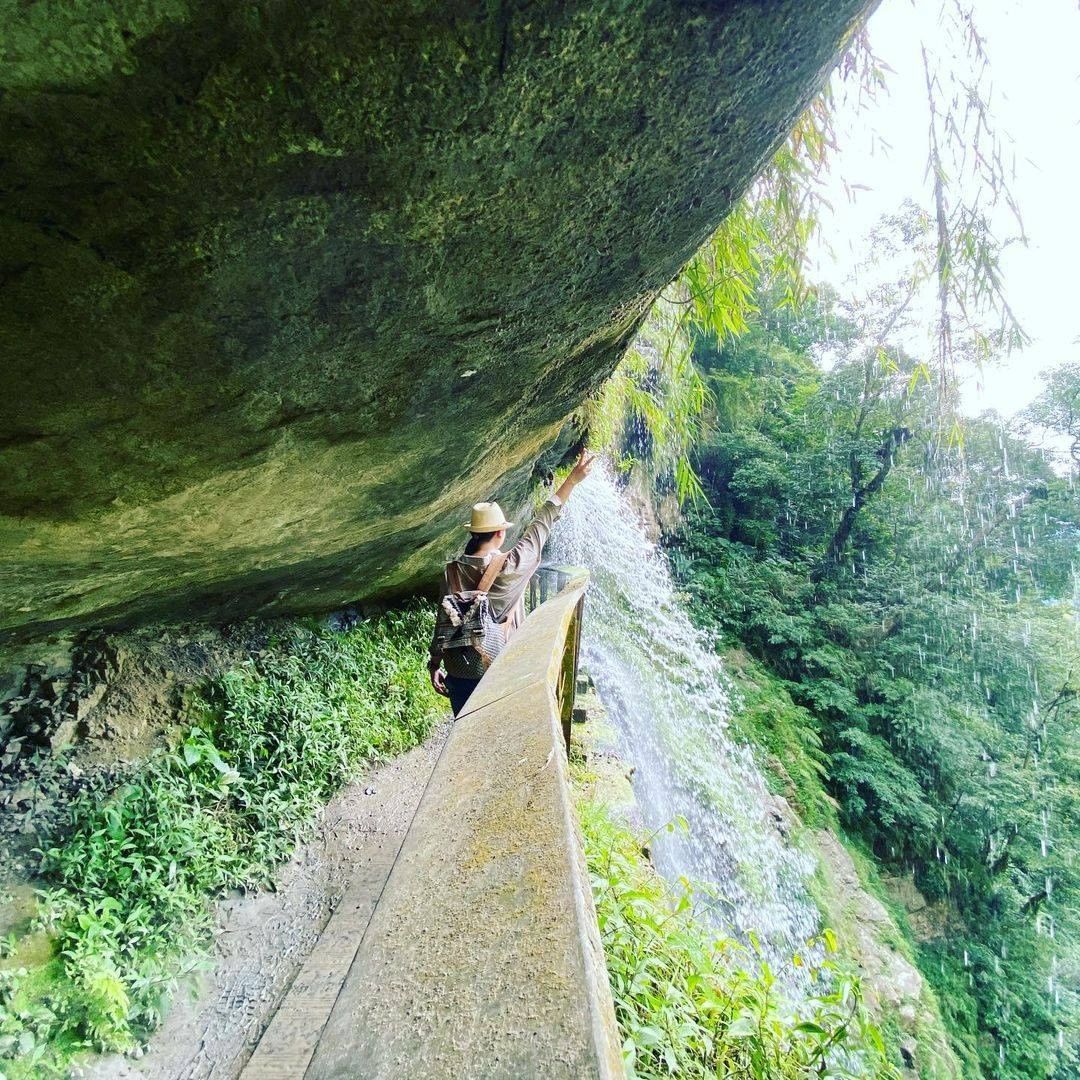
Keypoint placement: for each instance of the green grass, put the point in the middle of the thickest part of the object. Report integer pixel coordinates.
(128, 903)
(690, 1003)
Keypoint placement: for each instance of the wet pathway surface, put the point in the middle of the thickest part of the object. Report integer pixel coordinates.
(280, 957)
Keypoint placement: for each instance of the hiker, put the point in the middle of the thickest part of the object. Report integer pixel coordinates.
(471, 629)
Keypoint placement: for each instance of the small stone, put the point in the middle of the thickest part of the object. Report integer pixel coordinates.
(64, 735)
(49, 689)
(908, 1049)
(90, 701)
(24, 793)
(369, 791)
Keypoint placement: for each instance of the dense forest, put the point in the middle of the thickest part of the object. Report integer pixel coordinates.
(896, 576)
(907, 580)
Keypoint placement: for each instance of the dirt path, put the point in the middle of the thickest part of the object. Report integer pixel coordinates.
(266, 941)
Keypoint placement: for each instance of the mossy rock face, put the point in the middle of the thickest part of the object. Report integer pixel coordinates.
(284, 286)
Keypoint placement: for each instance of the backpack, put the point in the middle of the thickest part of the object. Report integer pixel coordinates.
(473, 635)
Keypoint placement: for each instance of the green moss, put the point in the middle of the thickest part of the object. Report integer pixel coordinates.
(256, 250)
(66, 43)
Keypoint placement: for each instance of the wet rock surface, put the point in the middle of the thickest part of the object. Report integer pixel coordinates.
(283, 286)
(45, 711)
(894, 988)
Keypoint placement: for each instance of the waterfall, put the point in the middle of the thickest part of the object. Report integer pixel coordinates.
(667, 696)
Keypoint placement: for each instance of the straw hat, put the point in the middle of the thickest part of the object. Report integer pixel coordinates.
(487, 517)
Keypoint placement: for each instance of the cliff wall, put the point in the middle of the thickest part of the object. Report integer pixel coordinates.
(285, 286)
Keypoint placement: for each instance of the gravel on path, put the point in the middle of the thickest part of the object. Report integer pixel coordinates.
(263, 939)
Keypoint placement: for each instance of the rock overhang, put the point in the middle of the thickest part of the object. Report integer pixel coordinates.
(283, 287)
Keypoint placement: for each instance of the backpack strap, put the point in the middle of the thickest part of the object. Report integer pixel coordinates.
(492, 572)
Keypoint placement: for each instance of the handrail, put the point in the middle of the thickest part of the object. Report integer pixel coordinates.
(548, 582)
(483, 956)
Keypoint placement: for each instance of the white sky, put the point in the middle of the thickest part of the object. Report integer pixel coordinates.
(1034, 51)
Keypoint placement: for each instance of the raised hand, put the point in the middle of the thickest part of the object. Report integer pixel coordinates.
(583, 466)
(577, 474)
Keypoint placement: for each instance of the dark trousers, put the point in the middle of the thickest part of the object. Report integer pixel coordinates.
(460, 690)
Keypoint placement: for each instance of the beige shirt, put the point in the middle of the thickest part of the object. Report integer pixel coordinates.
(507, 593)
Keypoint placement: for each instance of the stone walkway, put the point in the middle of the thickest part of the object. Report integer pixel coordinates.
(280, 957)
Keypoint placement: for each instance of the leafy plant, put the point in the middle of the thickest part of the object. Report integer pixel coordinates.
(690, 1003)
(912, 605)
(131, 885)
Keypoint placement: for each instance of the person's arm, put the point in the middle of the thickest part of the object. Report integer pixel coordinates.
(524, 557)
(435, 672)
(437, 675)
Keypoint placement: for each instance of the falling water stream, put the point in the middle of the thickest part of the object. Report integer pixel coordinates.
(667, 696)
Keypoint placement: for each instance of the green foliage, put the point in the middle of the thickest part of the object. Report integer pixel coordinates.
(652, 407)
(656, 408)
(691, 1004)
(656, 405)
(966, 152)
(130, 889)
(1057, 408)
(914, 597)
(764, 715)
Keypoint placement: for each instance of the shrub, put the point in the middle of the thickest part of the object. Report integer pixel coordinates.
(130, 887)
(693, 1004)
